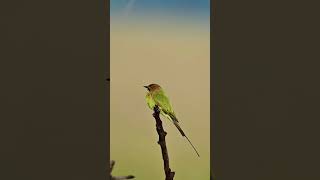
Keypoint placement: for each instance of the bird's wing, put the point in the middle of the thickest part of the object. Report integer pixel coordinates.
(163, 102)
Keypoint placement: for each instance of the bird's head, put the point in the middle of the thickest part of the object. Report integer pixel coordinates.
(153, 87)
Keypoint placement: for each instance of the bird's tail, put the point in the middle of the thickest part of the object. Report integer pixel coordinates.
(178, 127)
(175, 122)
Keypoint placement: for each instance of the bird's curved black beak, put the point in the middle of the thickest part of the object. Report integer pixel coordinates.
(145, 87)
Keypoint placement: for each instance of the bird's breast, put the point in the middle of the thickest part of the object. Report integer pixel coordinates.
(150, 102)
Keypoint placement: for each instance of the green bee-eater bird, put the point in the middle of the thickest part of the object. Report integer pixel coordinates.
(157, 97)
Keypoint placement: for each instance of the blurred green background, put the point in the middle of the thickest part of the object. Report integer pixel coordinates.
(173, 51)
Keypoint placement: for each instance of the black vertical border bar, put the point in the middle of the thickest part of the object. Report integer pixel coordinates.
(54, 98)
(213, 69)
(265, 90)
(108, 81)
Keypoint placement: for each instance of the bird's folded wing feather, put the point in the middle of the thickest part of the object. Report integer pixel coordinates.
(163, 102)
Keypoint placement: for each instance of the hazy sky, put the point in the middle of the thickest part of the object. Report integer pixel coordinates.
(194, 8)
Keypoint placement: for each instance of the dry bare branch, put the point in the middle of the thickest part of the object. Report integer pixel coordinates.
(162, 142)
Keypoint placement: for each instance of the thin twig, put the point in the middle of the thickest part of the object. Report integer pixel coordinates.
(162, 142)
(122, 177)
(112, 163)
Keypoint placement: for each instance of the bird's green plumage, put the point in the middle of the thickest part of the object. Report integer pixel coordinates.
(157, 97)
(160, 99)
(150, 102)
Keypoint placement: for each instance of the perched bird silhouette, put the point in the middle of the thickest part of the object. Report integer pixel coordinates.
(157, 97)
